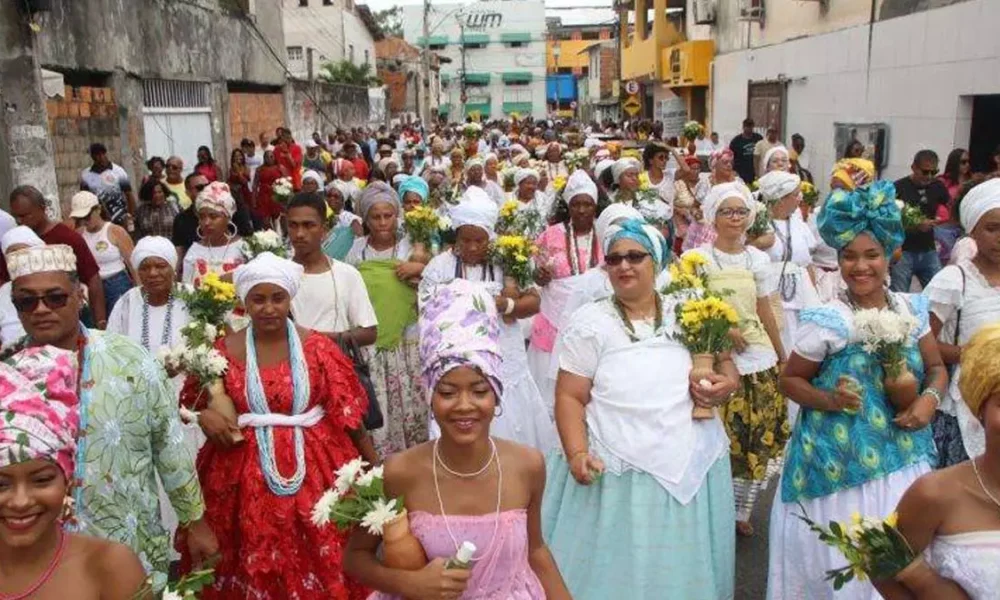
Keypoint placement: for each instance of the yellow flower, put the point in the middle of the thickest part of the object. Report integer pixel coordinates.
(508, 209)
(759, 472)
(856, 518)
(892, 519)
(768, 439)
(521, 258)
(752, 460)
(559, 183)
(735, 448)
(644, 183)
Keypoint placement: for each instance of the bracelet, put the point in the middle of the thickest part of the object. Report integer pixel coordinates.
(934, 393)
(510, 306)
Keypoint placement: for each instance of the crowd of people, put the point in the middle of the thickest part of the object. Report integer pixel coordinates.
(548, 421)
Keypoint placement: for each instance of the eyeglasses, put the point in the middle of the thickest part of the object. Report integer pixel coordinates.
(734, 213)
(929, 172)
(29, 304)
(633, 258)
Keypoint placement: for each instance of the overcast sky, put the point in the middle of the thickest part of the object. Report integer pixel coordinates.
(576, 16)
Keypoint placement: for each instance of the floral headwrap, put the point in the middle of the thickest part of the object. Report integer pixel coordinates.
(719, 155)
(980, 368)
(871, 208)
(850, 173)
(459, 327)
(39, 417)
(216, 197)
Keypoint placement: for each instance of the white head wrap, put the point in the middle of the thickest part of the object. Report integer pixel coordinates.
(592, 142)
(154, 246)
(491, 156)
(399, 178)
(520, 159)
(475, 161)
(615, 212)
(624, 164)
(477, 209)
(267, 268)
(20, 236)
(523, 173)
(516, 149)
(770, 153)
(41, 259)
(385, 162)
(314, 176)
(722, 192)
(775, 185)
(977, 202)
(580, 184)
(602, 166)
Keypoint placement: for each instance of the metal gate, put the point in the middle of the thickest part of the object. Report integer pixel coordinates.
(766, 106)
(177, 119)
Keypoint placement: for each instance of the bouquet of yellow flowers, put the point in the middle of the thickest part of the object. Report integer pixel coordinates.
(423, 223)
(704, 330)
(810, 195)
(873, 548)
(514, 254)
(211, 299)
(687, 274)
(559, 183)
(518, 219)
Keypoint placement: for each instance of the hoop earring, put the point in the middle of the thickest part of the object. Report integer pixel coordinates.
(236, 230)
(498, 411)
(198, 233)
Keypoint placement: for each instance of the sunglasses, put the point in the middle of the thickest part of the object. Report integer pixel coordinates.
(29, 304)
(929, 172)
(633, 258)
(731, 213)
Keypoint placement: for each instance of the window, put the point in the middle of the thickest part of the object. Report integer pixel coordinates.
(591, 35)
(366, 57)
(516, 94)
(304, 3)
(517, 44)
(295, 54)
(327, 2)
(350, 53)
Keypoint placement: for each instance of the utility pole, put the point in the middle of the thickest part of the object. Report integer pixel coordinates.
(461, 48)
(425, 114)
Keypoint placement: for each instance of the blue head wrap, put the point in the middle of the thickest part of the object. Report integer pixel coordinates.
(870, 209)
(414, 184)
(646, 235)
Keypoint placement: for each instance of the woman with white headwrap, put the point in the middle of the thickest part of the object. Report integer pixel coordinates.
(625, 188)
(529, 197)
(573, 248)
(388, 167)
(964, 298)
(382, 258)
(312, 182)
(554, 167)
(756, 418)
(775, 159)
(475, 175)
(300, 409)
(345, 226)
(721, 171)
(524, 418)
(17, 238)
(219, 248)
(640, 498)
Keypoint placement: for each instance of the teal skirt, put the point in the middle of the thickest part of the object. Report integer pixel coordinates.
(626, 537)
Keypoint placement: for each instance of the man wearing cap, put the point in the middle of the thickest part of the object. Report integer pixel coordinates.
(111, 185)
(28, 207)
(130, 432)
(313, 160)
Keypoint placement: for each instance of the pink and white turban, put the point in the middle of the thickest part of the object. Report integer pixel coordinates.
(39, 412)
(216, 197)
(459, 327)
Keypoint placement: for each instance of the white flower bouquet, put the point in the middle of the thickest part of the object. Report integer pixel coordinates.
(282, 189)
(761, 223)
(267, 240)
(886, 334)
(576, 159)
(472, 129)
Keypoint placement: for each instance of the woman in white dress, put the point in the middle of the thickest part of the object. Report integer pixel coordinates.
(524, 418)
(625, 189)
(951, 517)
(964, 298)
(850, 453)
(219, 248)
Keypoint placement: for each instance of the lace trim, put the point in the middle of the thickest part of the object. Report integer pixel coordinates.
(828, 318)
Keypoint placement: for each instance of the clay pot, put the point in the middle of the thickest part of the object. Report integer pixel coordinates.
(400, 548)
(702, 365)
(220, 402)
(902, 390)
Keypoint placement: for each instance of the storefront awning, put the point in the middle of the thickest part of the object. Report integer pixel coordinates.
(475, 39)
(434, 40)
(509, 38)
(477, 78)
(517, 77)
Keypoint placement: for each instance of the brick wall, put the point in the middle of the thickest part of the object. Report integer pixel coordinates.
(83, 115)
(395, 81)
(609, 70)
(250, 114)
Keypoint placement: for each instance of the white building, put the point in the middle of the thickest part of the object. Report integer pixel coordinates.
(910, 78)
(329, 31)
(503, 48)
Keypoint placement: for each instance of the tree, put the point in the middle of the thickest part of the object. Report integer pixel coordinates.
(348, 73)
(390, 21)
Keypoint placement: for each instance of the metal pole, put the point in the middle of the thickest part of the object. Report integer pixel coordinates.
(461, 35)
(425, 114)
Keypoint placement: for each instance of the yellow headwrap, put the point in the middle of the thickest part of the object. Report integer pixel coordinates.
(980, 376)
(852, 172)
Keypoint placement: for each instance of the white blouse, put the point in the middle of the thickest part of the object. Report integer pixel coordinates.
(970, 560)
(126, 319)
(360, 251)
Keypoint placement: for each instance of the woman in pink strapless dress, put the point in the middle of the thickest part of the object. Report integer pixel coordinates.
(466, 486)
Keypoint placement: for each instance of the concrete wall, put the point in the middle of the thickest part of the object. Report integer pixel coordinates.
(919, 78)
(329, 30)
(323, 107)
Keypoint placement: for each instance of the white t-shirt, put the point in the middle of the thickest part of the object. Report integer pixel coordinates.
(333, 301)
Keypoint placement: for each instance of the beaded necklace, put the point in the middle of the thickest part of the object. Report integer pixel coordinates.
(787, 285)
(629, 327)
(167, 334)
(573, 250)
(256, 398)
(47, 574)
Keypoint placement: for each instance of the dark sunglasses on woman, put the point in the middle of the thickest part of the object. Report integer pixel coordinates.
(633, 258)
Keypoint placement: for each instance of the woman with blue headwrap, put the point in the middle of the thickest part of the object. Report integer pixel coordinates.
(756, 419)
(640, 500)
(851, 451)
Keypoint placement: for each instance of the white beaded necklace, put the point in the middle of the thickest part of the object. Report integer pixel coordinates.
(444, 515)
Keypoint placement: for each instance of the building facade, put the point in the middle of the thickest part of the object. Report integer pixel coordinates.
(327, 31)
(496, 51)
(400, 67)
(899, 75)
(603, 87)
(567, 64)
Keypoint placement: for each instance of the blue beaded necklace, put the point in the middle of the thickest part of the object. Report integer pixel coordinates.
(279, 484)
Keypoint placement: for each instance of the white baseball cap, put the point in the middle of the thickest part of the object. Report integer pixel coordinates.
(82, 203)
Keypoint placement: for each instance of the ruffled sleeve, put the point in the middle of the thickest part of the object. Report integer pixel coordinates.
(822, 331)
(918, 307)
(342, 396)
(944, 292)
(763, 272)
(579, 343)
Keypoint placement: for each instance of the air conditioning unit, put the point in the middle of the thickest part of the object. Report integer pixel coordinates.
(704, 11)
(752, 10)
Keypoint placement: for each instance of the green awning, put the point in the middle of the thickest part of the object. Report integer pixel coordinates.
(483, 108)
(517, 77)
(434, 40)
(475, 39)
(521, 108)
(477, 78)
(508, 38)
(444, 109)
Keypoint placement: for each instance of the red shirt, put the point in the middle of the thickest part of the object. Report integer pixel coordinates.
(86, 266)
(209, 170)
(360, 168)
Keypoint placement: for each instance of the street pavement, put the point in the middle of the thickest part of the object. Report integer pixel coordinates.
(751, 553)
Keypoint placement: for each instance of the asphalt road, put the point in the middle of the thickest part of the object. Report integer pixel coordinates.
(751, 553)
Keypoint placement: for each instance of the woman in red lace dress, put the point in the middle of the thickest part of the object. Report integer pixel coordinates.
(264, 207)
(295, 392)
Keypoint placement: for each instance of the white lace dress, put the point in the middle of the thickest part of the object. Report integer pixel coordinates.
(972, 560)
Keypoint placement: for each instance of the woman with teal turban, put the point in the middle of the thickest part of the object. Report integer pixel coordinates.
(413, 192)
(851, 450)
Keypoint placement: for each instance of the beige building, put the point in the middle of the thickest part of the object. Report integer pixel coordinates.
(899, 75)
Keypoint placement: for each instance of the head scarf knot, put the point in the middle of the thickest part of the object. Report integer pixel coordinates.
(850, 173)
(417, 185)
(872, 208)
(375, 192)
(978, 201)
(724, 191)
(153, 246)
(39, 414)
(580, 184)
(217, 198)
(775, 185)
(459, 327)
(477, 209)
(645, 234)
(980, 368)
(267, 268)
